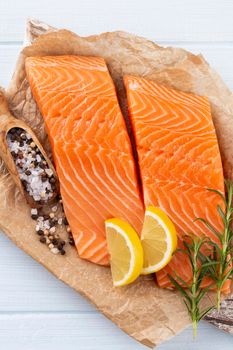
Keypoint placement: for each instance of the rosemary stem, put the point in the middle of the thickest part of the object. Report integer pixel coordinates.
(218, 299)
(194, 329)
(217, 265)
(223, 257)
(194, 288)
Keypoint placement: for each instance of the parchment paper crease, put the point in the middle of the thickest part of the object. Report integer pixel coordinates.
(145, 312)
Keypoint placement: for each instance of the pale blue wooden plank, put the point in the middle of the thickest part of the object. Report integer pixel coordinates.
(159, 20)
(62, 331)
(208, 337)
(87, 332)
(26, 286)
(24, 280)
(8, 58)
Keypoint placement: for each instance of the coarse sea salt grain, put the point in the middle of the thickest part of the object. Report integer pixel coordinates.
(60, 221)
(49, 172)
(46, 224)
(54, 209)
(33, 183)
(38, 158)
(54, 250)
(14, 146)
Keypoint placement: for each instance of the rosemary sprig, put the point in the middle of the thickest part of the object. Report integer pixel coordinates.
(193, 293)
(220, 264)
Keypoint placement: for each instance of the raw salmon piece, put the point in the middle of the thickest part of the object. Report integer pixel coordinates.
(91, 147)
(179, 159)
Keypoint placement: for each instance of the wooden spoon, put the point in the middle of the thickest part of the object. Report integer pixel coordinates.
(7, 122)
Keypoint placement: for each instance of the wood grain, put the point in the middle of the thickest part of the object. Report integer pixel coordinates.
(71, 331)
(39, 312)
(224, 319)
(36, 310)
(180, 20)
(24, 280)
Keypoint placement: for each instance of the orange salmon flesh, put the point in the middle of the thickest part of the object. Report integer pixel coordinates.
(178, 154)
(179, 159)
(91, 147)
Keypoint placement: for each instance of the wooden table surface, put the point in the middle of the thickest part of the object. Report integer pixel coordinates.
(36, 310)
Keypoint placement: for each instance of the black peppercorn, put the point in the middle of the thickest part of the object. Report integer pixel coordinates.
(42, 239)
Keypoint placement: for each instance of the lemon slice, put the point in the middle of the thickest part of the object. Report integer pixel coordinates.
(158, 240)
(126, 254)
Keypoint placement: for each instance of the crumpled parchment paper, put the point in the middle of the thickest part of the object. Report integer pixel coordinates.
(147, 313)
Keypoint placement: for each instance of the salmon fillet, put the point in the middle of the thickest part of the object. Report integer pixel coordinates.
(91, 147)
(179, 159)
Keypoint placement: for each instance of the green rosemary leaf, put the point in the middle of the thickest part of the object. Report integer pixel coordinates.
(229, 262)
(183, 283)
(211, 263)
(188, 247)
(205, 312)
(215, 255)
(222, 271)
(203, 258)
(209, 226)
(201, 294)
(218, 193)
(194, 293)
(202, 274)
(187, 306)
(199, 281)
(216, 249)
(189, 253)
(227, 276)
(180, 288)
(178, 250)
(229, 194)
(222, 214)
(214, 260)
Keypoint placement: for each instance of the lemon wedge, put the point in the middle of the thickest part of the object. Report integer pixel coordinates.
(158, 238)
(126, 254)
